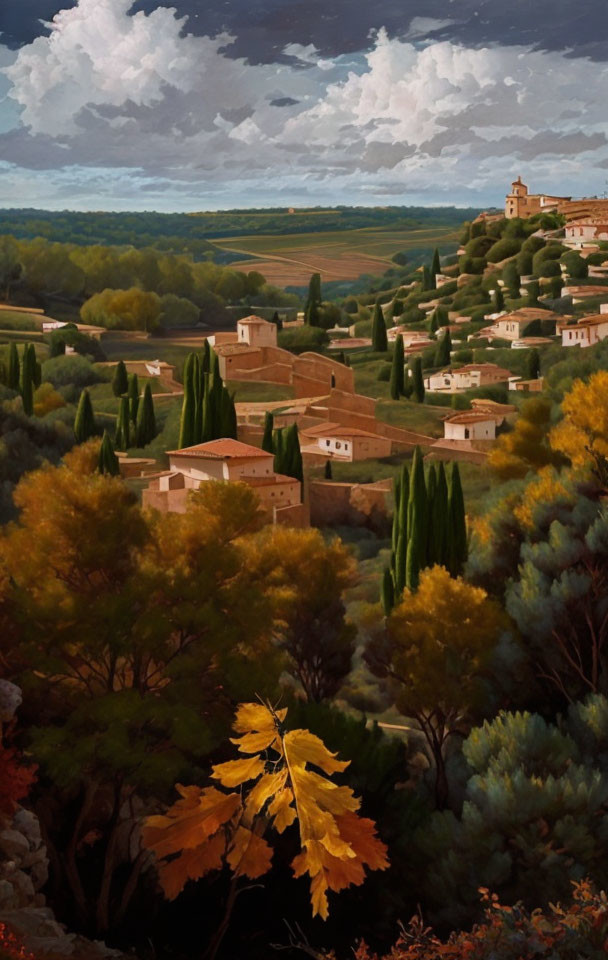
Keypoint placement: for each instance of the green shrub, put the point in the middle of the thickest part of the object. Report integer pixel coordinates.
(507, 247)
(73, 371)
(301, 339)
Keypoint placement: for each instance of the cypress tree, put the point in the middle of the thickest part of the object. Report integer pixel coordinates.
(267, 443)
(3, 373)
(533, 365)
(199, 391)
(206, 358)
(443, 350)
(498, 299)
(28, 366)
(388, 592)
(417, 380)
(328, 473)
(84, 424)
(379, 338)
(228, 423)
(36, 370)
(397, 382)
(187, 422)
(108, 461)
(511, 278)
(124, 429)
(133, 397)
(434, 323)
(440, 518)
(311, 314)
(428, 282)
(120, 380)
(400, 565)
(278, 444)
(146, 419)
(416, 519)
(435, 265)
(431, 490)
(208, 425)
(556, 287)
(293, 455)
(457, 538)
(14, 368)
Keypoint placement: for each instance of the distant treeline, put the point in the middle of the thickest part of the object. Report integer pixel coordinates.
(191, 233)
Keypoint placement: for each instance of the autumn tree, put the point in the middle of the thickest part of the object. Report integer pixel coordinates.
(307, 577)
(209, 828)
(433, 653)
(526, 447)
(131, 665)
(582, 435)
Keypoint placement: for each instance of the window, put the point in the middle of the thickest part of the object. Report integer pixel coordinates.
(327, 443)
(338, 445)
(346, 446)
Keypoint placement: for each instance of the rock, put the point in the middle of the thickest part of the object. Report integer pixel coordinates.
(10, 700)
(8, 900)
(13, 844)
(28, 824)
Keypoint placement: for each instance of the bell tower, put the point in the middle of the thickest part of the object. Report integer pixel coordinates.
(516, 201)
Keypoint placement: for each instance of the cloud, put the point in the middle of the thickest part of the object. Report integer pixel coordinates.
(139, 97)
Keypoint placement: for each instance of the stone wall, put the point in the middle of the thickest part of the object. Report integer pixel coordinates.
(350, 504)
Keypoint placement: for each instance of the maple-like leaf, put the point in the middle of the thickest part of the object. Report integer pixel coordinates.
(288, 780)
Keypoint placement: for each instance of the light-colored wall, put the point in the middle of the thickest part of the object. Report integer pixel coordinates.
(257, 335)
(199, 469)
(257, 467)
(478, 430)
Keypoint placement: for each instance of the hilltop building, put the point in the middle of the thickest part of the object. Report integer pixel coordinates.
(521, 203)
(465, 378)
(587, 332)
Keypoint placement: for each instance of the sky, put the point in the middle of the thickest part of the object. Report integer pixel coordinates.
(217, 104)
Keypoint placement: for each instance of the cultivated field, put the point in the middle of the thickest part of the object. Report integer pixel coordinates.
(289, 260)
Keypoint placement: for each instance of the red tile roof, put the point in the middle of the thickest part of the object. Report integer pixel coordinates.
(469, 417)
(226, 449)
(254, 319)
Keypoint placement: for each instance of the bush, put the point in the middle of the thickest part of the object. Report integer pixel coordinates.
(479, 246)
(71, 336)
(384, 373)
(552, 251)
(178, 312)
(577, 267)
(470, 264)
(74, 371)
(301, 339)
(549, 268)
(507, 247)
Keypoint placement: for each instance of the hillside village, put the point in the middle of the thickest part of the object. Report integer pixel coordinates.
(473, 333)
(368, 525)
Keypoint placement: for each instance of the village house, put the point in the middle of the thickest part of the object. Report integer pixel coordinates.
(470, 425)
(333, 441)
(466, 378)
(587, 332)
(229, 461)
(579, 232)
(511, 326)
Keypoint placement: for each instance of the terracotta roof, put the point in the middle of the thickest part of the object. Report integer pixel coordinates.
(468, 417)
(339, 431)
(226, 449)
(592, 321)
(487, 367)
(528, 313)
(255, 320)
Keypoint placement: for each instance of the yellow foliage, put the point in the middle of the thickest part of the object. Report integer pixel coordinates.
(545, 488)
(440, 637)
(207, 827)
(47, 399)
(582, 435)
(525, 448)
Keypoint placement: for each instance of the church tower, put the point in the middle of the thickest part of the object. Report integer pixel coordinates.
(516, 201)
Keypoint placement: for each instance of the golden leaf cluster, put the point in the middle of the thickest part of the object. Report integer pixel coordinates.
(284, 778)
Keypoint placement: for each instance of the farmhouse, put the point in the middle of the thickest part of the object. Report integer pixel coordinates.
(230, 461)
(585, 333)
(465, 378)
(333, 441)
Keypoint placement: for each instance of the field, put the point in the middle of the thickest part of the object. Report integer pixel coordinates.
(337, 255)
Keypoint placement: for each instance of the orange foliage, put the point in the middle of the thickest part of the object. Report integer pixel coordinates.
(508, 933)
(208, 827)
(10, 947)
(547, 487)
